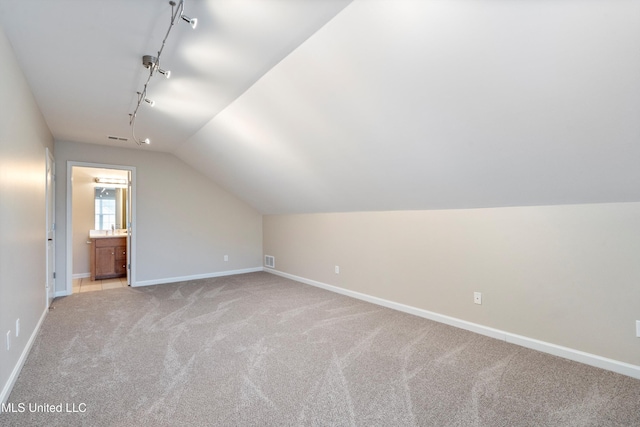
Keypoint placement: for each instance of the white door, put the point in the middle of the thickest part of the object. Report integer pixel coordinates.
(51, 227)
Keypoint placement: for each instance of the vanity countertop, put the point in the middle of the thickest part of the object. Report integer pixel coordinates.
(104, 234)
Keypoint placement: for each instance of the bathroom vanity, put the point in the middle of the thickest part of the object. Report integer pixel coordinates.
(108, 256)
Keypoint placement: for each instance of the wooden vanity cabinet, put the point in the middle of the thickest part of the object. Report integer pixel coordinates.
(108, 258)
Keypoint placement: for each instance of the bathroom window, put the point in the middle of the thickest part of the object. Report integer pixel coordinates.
(105, 208)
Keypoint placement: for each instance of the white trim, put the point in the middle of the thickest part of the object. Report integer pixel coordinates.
(542, 346)
(50, 228)
(623, 368)
(196, 277)
(6, 391)
(81, 275)
(69, 227)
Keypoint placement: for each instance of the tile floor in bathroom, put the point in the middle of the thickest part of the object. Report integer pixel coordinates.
(87, 285)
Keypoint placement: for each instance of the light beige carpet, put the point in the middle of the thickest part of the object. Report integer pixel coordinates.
(260, 350)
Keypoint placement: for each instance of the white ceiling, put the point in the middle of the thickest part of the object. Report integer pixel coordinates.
(403, 104)
(83, 60)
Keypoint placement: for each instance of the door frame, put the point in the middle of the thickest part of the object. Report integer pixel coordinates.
(50, 221)
(131, 273)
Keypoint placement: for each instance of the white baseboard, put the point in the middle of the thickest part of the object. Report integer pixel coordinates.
(6, 390)
(542, 346)
(195, 277)
(61, 294)
(80, 275)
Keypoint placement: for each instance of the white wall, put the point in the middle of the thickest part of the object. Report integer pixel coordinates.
(83, 221)
(566, 275)
(185, 222)
(23, 138)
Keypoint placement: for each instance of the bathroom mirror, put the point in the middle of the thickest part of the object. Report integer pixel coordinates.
(110, 208)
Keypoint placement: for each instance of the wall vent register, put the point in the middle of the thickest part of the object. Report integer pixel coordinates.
(269, 261)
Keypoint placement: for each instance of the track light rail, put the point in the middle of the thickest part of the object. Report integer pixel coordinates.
(152, 63)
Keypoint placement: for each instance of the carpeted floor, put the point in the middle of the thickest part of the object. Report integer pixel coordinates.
(260, 350)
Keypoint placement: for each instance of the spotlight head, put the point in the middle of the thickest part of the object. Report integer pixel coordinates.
(150, 102)
(166, 73)
(192, 21)
(146, 141)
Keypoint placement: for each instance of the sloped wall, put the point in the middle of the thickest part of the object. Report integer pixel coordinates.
(566, 275)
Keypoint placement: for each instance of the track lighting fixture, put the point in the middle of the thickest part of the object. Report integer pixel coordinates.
(166, 73)
(192, 21)
(149, 61)
(152, 63)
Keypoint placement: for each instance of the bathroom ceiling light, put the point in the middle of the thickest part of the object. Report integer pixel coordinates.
(114, 181)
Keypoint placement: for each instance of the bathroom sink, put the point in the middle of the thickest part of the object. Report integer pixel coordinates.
(107, 233)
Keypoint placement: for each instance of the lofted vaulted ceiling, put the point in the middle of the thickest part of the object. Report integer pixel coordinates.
(83, 60)
(317, 106)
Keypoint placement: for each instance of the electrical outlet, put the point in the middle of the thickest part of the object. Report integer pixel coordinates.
(477, 298)
(337, 269)
(638, 328)
(8, 340)
(226, 257)
(17, 328)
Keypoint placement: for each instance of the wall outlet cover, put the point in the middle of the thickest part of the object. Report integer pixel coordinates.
(477, 298)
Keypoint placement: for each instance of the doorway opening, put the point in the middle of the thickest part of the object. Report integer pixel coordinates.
(101, 229)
